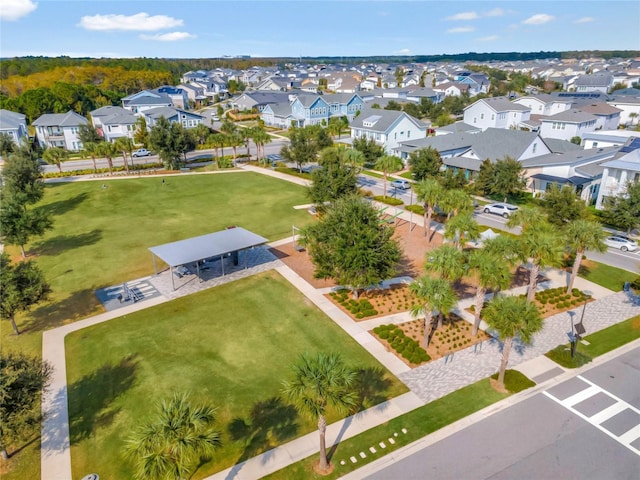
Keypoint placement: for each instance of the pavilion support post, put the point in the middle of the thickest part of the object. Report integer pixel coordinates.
(222, 264)
(173, 285)
(155, 267)
(198, 270)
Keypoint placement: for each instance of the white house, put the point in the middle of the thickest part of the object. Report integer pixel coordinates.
(566, 125)
(544, 104)
(387, 127)
(139, 102)
(607, 138)
(496, 112)
(619, 172)
(600, 82)
(59, 130)
(607, 117)
(630, 108)
(114, 122)
(13, 124)
(187, 119)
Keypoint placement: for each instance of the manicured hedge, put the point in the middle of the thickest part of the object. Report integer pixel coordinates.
(401, 343)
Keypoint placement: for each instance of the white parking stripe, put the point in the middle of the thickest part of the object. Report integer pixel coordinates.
(605, 414)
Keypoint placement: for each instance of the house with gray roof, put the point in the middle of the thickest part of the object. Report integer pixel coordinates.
(566, 125)
(187, 119)
(140, 102)
(599, 82)
(629, 106)
(544, 104)
(387, 127)
(496, 112)
(114, 122)
(607, 138)
(59, 130)
(607, 116)
(13, 124)
(620, 171)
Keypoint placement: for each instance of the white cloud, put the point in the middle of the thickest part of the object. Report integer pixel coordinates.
(461, 30)
(403, 51)
(142, 22)
(168, 37)
(464, 16)
(585, 20)
(14, 9)
(496, 12)
(490, 38)
(538, 19)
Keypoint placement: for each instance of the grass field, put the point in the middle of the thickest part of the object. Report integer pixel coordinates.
(232, 345)
(605, 275)
(101, 235)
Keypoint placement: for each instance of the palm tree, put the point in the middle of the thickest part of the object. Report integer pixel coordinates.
(429, 192)
(260, 138)
(92, 149)
(460, 228)
(354, 157)
(219, 141)
(387, 164)
(542, 245)
(583, 235)
(321, 381)
(235, 140)
(446, 261)
(172, 444)
(491, 272)
(525, 217)
(455, 201)
(107, 150)
(432, 294)
(125, 145)
(512, 316)
(56, 156)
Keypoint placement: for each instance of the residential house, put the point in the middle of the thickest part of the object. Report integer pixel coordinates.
(114, 122)
(187, 119)
(579, 169)
(387, 127)
(607, 117)
(607, 138)
(425, 93)
(179, 98)
(566, 125)
(478, 82)
(196, 93)
(544, 104)
(599, 82)
(145, 100)
(629, 106)
(619, 171)
(457, 127)
(310, 110)
(59, 130)
(258, 100)
(496, 112)
(14, 124)
(276, 84)
(450, 89)
(303, 110)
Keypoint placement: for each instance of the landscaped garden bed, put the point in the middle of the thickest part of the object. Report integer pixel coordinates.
(375, 302)
(455, 334)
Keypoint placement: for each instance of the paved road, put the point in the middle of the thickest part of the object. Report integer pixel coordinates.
(587, 427)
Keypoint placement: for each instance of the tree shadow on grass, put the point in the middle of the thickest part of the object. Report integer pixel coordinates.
(371, 387)
(91, 398)
(63, 206)
(56, 245)
(270, 423)
(76, 306)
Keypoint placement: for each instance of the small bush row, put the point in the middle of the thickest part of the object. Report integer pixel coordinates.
(388, 200)
(361, 308)
(402, 344)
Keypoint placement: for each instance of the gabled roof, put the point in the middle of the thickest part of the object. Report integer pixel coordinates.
(282, 109)
(500, 104)
(341, 98)
(108, 110)
(596, 80)
(168, 112)
(570, 116)
(570, 158)
(600, 108)
(459, 127)
(11, 120)
(497, 143)
(558, 145)
(381, 120)
(69, 119)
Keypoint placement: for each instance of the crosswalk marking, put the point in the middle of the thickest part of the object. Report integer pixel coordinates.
(602, 416)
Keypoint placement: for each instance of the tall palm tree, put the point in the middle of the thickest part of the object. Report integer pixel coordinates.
(260, 138)
(107, 150)
(388, 164)
(447, 262)
(460, 228)
(170, 446)
(125, 145)
(512, 316)
(354, 157)
(429, 192)
(542, 246)
(92, 149)
(583, 235)
(321, 381)
(56, 156)
(455, 201)
(491, 272)
(432, 294)
(525, 217)
(235, 140)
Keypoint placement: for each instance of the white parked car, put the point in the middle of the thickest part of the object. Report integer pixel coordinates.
(623, 243)
(401, 184)
(504, 209)
(141, 152)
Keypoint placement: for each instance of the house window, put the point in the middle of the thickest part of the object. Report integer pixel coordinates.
(493, 116)
(564, 125)
(482, 116)
(475, 120)
(535, 145)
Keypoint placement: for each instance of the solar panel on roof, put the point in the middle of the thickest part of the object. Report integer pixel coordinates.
(634, 144)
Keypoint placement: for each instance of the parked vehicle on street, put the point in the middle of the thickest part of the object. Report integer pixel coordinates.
(141, 152)
(623, 243)
(503, 209)
(310, 168)
(401, 184)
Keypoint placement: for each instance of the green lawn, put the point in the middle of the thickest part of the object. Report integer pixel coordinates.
(231, 345)
(101, 235)
(418, 423)
(605, 275)
(599, 343)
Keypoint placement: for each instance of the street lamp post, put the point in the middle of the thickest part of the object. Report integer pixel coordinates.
(411, 211)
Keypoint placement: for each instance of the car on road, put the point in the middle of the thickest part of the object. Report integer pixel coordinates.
(401, 184)
(141, 152)
(41, 162)
(503, 209)
(310, 168)
(623, 243)
(274, 158)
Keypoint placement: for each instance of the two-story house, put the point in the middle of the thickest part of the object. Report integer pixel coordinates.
(607, 117)
(619, 171)
(544, 104)
(187, 119)
(566, 125)
(599, 82)
(59, 130)
(13, 124)
(145, 100)
(496, 112)
(114, 122)
(387, 127)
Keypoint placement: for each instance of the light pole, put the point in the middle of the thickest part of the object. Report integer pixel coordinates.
(411, 211)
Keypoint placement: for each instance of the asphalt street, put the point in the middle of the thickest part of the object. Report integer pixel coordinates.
(585, 428)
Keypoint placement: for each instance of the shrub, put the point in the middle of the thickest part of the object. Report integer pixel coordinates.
(388, 200)
(514, 381)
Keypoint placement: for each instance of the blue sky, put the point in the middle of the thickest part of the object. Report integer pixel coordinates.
(213, 28)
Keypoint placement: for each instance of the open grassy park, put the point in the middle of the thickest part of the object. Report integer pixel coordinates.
(101, 235)
(231, 345)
